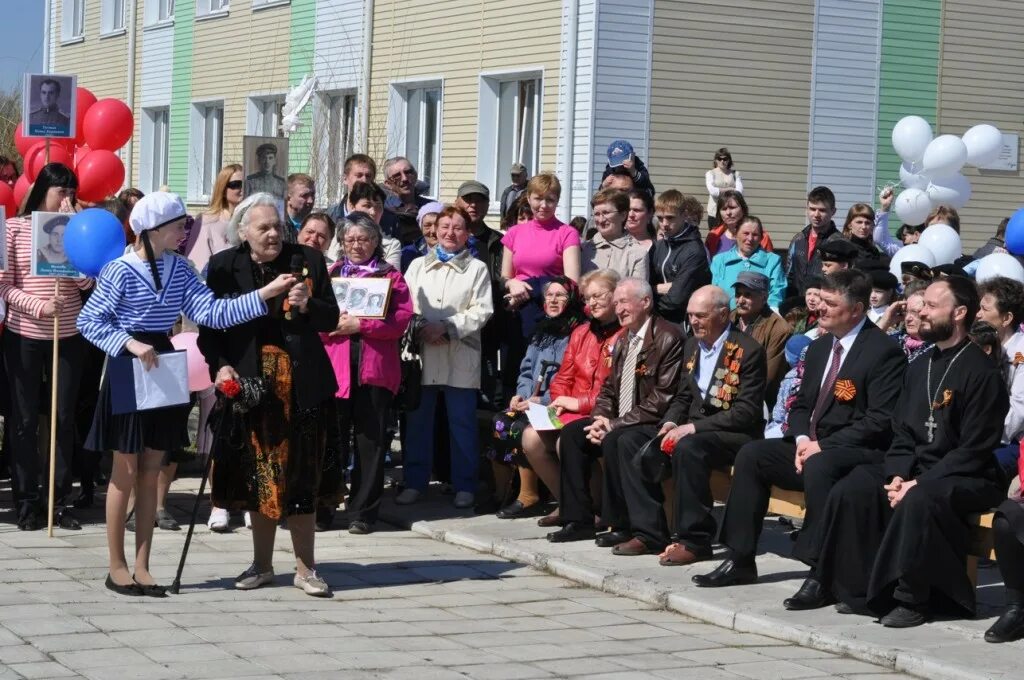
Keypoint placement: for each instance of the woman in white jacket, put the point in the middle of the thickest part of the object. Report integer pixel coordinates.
(451, 294)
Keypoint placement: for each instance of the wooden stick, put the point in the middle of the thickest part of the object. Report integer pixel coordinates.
(47, 150)
(53, 406)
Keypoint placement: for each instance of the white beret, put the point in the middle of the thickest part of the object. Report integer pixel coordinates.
(155, 210)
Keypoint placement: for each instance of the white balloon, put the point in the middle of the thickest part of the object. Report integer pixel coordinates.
(945, 155)
(915, 252)
(999, 264)
(910, 137)
(953, 191)
(912, 206)
(983, 142)
(943, 241)
(911, 177)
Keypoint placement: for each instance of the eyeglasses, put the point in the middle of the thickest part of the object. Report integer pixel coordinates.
(357, 241)
(594, 297)
(556, 296)
(605, 214)
(234, 184)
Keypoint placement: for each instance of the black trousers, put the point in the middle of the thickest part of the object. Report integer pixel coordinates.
(759, 466)
(1008, 537)
(28, 362)
(362, 419)
(629, 501)
(577, 455)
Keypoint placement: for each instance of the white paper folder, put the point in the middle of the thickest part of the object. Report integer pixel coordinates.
(133, 388)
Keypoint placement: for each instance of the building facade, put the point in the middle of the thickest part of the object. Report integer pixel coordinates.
(802, 92)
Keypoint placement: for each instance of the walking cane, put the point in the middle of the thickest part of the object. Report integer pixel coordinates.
(176, 585)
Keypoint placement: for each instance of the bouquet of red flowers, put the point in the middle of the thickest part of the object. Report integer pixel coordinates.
(244, 393)
(230, 388)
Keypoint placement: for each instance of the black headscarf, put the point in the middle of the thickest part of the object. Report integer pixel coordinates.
(551, 328)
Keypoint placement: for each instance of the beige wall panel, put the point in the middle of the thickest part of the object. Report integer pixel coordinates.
(981, 81)
(753, 97)
(100, 63)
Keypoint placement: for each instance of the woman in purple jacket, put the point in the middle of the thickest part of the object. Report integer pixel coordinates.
(364, 353)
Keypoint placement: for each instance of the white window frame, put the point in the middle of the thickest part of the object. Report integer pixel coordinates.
(401, 96)
(263, 115)
(489, 124)
(72, 27)
(336, 136)
(210, 9)
(113, 17)
(263, 4)
(158, 13)
(153, 162)
(205, 155)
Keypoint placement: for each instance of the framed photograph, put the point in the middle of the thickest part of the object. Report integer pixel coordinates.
(48, 105)
(48, 255)
(265, 165)
(366, 298)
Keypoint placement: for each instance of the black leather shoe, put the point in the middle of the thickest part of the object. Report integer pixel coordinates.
(1008, 627)
(516, 509)
(728, 573)
(843, 608)
(572, 531)
(610, 539)
(131, 589)
(66, 519)
(810, 596)
(151, 590)
(904, 617)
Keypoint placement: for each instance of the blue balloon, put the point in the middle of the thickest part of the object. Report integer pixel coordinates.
(93, 238)
(1015, 233)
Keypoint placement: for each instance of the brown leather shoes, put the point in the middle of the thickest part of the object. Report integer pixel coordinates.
(678, 555)
(634, 546)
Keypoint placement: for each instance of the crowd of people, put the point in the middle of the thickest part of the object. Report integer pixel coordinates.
(656, 352)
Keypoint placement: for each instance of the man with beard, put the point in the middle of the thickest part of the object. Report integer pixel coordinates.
(894, 535)
(842, 418)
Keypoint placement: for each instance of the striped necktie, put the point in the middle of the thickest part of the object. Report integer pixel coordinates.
(627, 381)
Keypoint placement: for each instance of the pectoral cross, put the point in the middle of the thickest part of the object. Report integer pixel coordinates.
(930, 424)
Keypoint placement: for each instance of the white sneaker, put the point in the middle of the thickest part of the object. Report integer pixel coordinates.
(250, 579)
(312, 584)
(219, 520)
(407, 497)
(248, 520)
(464, 499)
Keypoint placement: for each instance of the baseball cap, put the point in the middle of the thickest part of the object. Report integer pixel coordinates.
(619, 152)
(752, 280)
(517, 169)
(155, 210)
(794, 347)
(473, 187)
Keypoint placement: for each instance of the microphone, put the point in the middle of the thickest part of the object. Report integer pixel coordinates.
(295, 269)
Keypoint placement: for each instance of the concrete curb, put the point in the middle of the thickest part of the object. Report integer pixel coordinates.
(895, 658)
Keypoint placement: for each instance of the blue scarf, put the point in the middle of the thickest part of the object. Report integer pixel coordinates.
(444, 255)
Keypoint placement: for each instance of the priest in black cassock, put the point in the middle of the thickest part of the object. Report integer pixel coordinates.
(894, 536)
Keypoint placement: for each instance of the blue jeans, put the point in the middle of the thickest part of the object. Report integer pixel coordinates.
(419, 450)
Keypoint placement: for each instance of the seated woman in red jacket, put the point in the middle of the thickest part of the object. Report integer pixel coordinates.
(585, 365)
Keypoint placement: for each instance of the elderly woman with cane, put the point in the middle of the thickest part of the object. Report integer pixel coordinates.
(138, 298)
(271, 461)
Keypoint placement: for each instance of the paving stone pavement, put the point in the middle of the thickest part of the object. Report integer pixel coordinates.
(404, 606)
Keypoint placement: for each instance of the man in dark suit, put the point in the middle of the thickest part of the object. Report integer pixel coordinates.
(717, 408)
(646, 365)
(842, 418)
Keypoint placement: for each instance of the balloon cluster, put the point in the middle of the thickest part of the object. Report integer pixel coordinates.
(931, 165)
(102, 127)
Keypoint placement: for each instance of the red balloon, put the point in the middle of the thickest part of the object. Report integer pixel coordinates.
(108, 125)
(7, 200)
(38, 149)
(21, 189)
(58, 154)
(85, 101)
(22, 142)
(80, 152)
(100, 174)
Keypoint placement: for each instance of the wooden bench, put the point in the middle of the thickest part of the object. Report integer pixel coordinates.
(791, 504)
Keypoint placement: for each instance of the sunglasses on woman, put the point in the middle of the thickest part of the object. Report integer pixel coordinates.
(234, 184)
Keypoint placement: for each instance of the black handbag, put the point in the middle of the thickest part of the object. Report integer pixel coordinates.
(655, 466)
(411, 388)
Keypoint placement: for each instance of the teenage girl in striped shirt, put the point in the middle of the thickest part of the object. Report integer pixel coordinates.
(138, 298)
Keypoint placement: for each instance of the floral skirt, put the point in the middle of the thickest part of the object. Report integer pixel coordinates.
(272, 460)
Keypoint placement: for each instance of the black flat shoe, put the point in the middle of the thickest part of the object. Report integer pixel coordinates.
(843, 608)
(904, 617)
(728, 573)
(132, 589)
(360, 528)
(151, 590)
(610, 539)
(812, 595)
(516, 510)
(572, 531)
(1008, 627)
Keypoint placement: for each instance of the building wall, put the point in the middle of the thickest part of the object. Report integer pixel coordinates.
(982, 81)
(99, 62)
(738, 77)
(576, 190)
(455, 41)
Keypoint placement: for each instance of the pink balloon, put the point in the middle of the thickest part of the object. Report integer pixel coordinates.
(198, 369)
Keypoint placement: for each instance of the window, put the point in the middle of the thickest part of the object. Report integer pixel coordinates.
(416, 130)
(206, 7)
(256, 4)
(206, 146)
(112, 17)
(509, 126)
(155, 147)
(73, 24)
(264, 116)
(335, 131)
(158, 12)
(165, 10)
